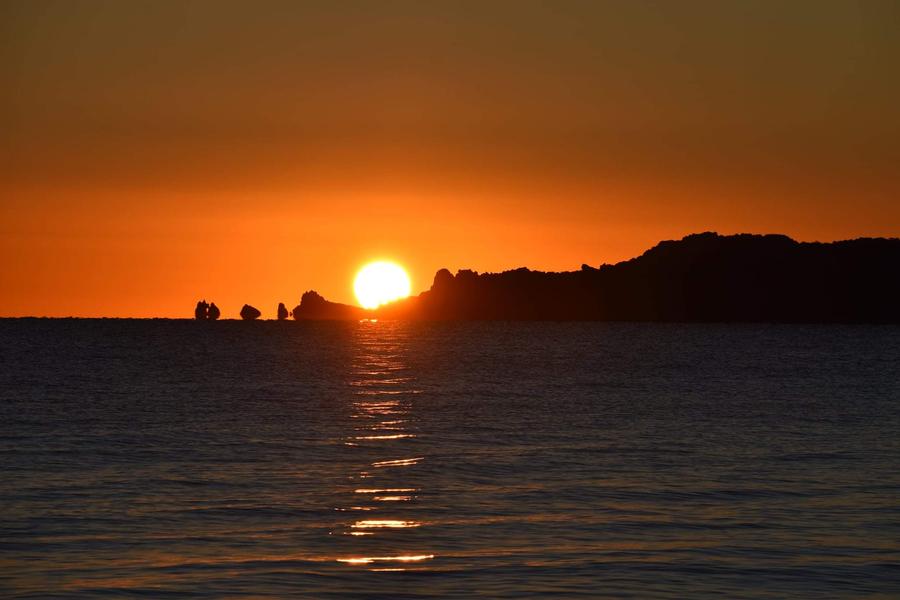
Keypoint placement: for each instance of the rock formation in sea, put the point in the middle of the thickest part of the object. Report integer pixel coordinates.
(282, 311)
(201, 312)
(315, 307)
(206, 311)
(248, 313)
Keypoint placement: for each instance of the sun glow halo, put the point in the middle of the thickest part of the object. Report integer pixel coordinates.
(381, 282)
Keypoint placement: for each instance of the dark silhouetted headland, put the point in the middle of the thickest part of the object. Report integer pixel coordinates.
(314, 306)
(703, 277)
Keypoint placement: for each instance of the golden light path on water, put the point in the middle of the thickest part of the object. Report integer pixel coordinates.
(379, 523)
(382, 418)
(370, 559)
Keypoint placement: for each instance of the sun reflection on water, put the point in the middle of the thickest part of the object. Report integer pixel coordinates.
(394, 436)
(379, 523)
(398, 462)
(383, 440)
(364, 560)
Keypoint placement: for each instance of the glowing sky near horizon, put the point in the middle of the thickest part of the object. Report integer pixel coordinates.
(156, 153)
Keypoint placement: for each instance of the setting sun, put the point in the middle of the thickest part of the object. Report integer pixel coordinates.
(381, 282)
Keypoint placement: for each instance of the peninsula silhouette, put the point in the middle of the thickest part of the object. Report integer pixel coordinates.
(703, 277)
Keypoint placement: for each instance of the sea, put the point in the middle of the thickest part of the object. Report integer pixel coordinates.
(390, 459)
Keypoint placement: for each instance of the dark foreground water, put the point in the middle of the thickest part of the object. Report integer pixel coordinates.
(407, 460)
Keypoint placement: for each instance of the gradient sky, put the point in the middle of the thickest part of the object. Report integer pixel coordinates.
(154, 153)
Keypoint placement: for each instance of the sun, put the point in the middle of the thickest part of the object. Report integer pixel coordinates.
(381, 282)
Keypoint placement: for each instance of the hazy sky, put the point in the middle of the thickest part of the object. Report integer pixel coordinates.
(154, 153)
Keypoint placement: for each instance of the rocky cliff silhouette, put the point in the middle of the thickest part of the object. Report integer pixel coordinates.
(702, 277)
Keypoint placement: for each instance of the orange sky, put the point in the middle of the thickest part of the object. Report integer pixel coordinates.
(156, 153)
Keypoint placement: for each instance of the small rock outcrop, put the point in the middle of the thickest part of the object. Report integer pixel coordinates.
(282, 311)
(249, 313)
(206, 311)
(201, 312)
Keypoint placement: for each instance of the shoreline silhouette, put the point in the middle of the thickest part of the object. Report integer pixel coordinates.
(704, 277)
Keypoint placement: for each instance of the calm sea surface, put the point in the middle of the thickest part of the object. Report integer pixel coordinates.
(410, 460)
